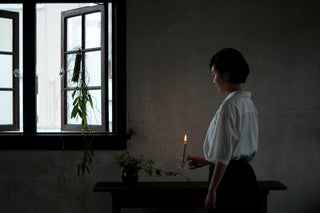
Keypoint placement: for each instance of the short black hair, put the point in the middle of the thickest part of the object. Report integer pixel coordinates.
(232, 61)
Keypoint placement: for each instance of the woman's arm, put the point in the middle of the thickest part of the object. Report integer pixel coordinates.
(197, 162)
(218, 173)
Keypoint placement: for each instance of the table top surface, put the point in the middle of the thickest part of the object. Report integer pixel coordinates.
(189, 185)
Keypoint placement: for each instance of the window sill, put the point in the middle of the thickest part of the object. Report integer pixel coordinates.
(59, 141)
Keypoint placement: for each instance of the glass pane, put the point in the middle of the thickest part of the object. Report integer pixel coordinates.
(110, 104)
(110, 90)
(110, 32)
(110, 116)
(6, 107)
(69, 110)
(93, 68)
(74, 33)
(93, 30)
(6, 34)
(110, 64)
(71, 58)
(94, 114)
(6, 71)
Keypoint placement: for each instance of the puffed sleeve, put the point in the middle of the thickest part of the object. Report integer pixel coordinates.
(227, 134)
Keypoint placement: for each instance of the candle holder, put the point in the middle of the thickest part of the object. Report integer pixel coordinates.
(183, 164)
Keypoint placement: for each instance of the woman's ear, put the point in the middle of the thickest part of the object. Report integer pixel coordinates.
(226, 76)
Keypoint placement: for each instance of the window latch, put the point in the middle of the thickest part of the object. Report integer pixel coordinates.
(61, 73)
(16, 73)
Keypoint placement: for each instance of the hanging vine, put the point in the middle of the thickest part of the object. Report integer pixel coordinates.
(81, 97)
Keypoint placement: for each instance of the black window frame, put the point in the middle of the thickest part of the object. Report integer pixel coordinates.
(30, 139)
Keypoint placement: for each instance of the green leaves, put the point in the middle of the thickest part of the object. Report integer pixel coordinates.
(126, 160)
(87, 158)
(81, 100)
(81, 97)
(77, 67)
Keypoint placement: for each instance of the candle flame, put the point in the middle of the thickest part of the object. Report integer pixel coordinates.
(185, 139)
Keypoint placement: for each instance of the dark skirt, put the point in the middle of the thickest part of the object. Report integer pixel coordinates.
(238, 189)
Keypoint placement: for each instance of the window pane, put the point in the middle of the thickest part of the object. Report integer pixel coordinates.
(110, 104)
(6, 71)
(93, 30)
(74, 33)
(69, 110)
(93, 66)
(94, 114)
(6, 107)
(6, 34)
(71, 58)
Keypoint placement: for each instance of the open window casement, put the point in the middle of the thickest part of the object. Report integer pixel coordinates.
(84, 57)
(9, 71)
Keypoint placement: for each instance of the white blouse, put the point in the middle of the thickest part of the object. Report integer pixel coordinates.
(233, 131)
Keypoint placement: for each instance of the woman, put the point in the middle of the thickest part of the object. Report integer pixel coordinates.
(231, 140)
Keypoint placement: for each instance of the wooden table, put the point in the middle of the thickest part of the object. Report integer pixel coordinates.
(170, 194)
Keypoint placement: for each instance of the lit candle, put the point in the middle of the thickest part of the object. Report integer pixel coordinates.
(184, 148)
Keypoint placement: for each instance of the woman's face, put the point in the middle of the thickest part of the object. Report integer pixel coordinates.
(220, 80)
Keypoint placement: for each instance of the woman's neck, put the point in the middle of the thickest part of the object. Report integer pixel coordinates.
(235, 87)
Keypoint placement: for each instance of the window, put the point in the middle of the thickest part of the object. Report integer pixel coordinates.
(96, 33)
(9, 70)
(83, 48)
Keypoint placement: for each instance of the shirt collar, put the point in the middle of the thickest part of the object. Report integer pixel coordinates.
(244, 94)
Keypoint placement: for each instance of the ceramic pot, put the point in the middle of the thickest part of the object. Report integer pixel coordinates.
(129, 176)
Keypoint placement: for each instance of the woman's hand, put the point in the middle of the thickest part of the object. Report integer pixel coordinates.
(196, 162)
(210, 202)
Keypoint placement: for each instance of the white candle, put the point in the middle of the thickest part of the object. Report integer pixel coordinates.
(184, 148)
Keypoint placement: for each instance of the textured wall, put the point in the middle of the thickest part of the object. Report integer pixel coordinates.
(169, 44)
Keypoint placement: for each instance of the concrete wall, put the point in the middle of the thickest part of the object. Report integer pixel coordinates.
(169, 44)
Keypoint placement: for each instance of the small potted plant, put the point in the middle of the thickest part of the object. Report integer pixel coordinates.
(132, 165)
